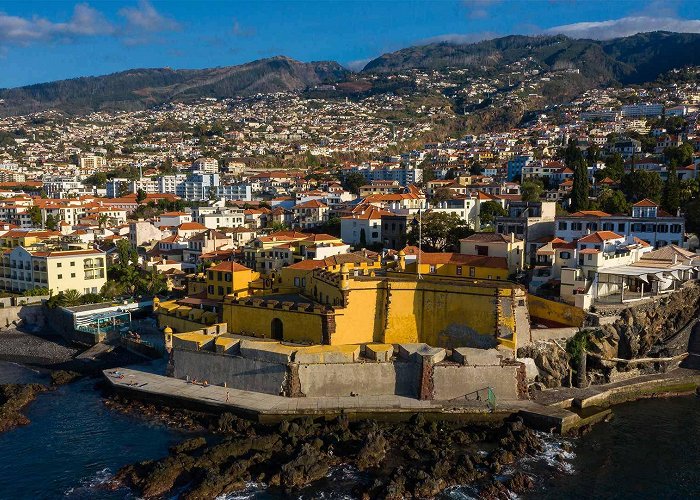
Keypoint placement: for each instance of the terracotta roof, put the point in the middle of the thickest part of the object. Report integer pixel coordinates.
(311, 204)
(462, 259)
(646, 202)
(229, 266)
(590, 213)
(189, 226)
(489, 238)
(599, 237)
(589, 250)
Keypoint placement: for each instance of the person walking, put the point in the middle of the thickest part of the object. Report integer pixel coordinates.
(227, 396)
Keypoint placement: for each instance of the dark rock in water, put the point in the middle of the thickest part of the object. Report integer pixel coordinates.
(398, 460)
(309, 465)
(372, 454)
(520, 482)
(62, 377)
(14, 397)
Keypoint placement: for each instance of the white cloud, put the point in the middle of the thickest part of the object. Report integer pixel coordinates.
(145, 18)
(238, 30)
(626, 26)
(459, 38)
(85, 21)
(479, 9)
(358, 64)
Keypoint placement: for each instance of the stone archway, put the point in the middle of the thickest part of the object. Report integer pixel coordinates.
(277, 329)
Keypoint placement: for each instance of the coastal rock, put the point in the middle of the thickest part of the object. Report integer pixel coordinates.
(14, 397)
(310, 465)
(372, 454)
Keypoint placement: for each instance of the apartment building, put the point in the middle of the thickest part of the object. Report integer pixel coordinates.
(22, 269)
(647, 222)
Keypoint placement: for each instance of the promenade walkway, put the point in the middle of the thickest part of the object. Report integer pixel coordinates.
(549, 410)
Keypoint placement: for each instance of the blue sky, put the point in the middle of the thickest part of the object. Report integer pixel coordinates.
(49, 40)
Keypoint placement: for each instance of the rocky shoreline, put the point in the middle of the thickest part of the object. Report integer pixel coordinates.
(415, 459)
(15, 397)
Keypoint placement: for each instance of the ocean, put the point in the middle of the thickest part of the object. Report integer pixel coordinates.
(74, 444)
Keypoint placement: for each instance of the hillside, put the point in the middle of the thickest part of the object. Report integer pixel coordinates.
(635, 59)
(142, 88)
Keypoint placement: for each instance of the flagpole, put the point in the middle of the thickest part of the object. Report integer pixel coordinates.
(420, 240)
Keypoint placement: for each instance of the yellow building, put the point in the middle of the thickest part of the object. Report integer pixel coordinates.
(337, 308)
(25, 238)
(229, 278)
(58, 270)
(459, 266)
(294, 277)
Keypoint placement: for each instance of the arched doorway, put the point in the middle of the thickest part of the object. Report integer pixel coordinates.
(277, 329)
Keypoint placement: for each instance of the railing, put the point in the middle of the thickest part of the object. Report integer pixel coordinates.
(486, 394)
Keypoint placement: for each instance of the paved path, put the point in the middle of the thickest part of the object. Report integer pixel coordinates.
(260, 403)
(548, 410)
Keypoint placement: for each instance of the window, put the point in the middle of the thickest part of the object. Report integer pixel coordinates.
(57, 265)
(211, 275)
(675, 228)
(472, 272)
(590, 257)
(576, 226)
(72, 275)
(459, 270)
(565, 255)
(221, 290)
(432, 269)
(72, 263)
(219, 276)
(210, 289)
(60, 276)
(303, 282)
(297, 281)
(562, 226)
(482, 250)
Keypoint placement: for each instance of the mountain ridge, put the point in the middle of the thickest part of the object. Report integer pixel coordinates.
(635, 59)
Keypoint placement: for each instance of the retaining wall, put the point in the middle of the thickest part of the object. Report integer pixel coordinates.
(366, 378)
(237, 372)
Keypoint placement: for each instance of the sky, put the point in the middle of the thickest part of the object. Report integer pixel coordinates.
(51, 40)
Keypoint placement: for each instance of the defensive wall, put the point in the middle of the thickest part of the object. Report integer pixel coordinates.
(553, 313)
(439, 312)
(414, 369)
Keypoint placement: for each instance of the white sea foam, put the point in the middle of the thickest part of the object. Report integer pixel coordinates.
(251, 489)
(87, 485)
(553, 455)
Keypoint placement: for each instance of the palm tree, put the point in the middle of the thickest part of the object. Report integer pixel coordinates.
(102, 220)
(71, 298)
(111, 289)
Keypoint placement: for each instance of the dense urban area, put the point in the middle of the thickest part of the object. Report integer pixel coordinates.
(513, 246)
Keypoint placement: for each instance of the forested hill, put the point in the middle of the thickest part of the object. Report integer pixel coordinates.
(142, 88)
(634, 59)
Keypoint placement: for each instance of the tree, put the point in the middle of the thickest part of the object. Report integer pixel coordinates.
(531, 190)
(111, 289)
(152, 282)
(614, 167)
(440, 230)
(35, 216)
(689, 190)
(671, 195)
(692, 216)
(640, 184)
(51, 222)
(354, 181)
(679, 156)
(581, 187)
(613, 202)
(489, 211)
(71, 298)
(140, 196)
(442, 194)
(428, 174)
(102, 220)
